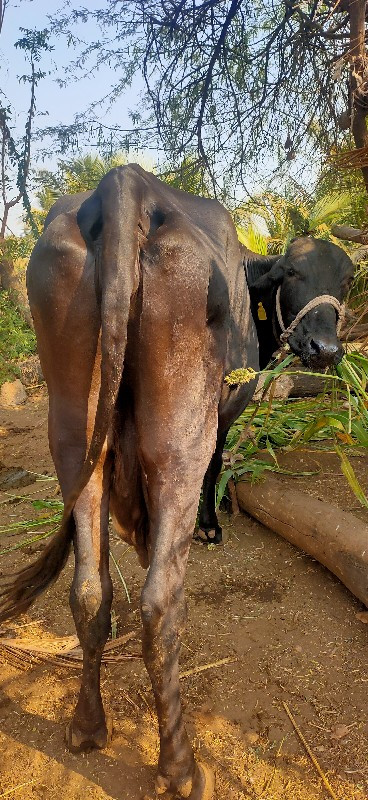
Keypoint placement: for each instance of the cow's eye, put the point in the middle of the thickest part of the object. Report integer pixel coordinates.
(291, 272)
(347, 283)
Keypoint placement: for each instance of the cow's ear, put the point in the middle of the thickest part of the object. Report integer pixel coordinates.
(271, 278)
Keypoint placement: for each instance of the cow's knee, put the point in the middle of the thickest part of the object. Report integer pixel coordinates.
(163, 611)
(90, 601)
(154, 604)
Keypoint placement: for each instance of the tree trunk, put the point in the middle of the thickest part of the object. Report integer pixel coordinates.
(10, 282)
(358, 76)
(337, 539)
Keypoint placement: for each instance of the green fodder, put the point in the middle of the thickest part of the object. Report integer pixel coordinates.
(46, 521)
(337, 418)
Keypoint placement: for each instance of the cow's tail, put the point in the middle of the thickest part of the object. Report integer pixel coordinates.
(115, 205)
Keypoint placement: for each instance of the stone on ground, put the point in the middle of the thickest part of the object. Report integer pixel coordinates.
(13, 393)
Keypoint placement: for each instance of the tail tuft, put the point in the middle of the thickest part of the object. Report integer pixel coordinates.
(22, 589)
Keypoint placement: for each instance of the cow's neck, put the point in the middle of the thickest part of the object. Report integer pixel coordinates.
(263, 305)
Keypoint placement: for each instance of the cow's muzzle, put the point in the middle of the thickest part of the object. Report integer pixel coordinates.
(318, 351)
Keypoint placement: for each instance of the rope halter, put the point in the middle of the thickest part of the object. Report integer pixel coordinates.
(317, 301)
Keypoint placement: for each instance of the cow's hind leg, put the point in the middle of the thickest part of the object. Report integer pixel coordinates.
(91, 590)
(64, 304)
(163, 614)
(174, 464)
(178, 383)
(90, 601)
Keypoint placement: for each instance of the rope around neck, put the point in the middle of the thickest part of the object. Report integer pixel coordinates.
(317, 301)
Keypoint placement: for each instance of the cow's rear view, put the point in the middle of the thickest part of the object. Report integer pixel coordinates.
(141, 306)
(134, 360)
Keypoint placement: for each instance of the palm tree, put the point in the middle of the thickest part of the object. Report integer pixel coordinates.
(268, 222)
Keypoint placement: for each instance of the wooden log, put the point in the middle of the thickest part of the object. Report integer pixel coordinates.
(359, 254)
(308, 385)
(335, 538)
(350, 234)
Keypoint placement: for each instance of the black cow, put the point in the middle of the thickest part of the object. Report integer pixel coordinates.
(311, 268)
(141, 307)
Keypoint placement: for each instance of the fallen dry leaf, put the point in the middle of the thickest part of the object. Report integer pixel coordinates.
(362, 616)
(339, 731)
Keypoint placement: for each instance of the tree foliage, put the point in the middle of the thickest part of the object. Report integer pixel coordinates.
(15, 152)
(17, 340)
(84, 172)
(350, 182)
(233, 80)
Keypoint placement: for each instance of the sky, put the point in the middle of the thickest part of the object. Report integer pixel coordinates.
(58, 104)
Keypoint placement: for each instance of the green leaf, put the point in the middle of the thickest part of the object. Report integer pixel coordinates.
(225, 477)
(360, 433)
(252, 239)
(335, 423)
(351, 477)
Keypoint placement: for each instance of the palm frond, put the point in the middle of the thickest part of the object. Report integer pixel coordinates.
(327, 208)
(252, 239)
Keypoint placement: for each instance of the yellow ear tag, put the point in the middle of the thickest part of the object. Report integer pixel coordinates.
(261, 312)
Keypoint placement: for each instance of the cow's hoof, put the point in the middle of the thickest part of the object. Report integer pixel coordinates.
(202, 787)
(162, 785)
(78, 740)
(209, 535)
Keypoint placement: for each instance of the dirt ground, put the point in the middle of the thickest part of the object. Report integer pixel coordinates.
(287, 627)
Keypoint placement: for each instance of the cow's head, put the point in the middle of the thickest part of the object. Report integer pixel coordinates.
(309, 269)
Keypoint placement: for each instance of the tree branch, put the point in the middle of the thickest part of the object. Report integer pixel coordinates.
(350, 234)
(235, 4)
